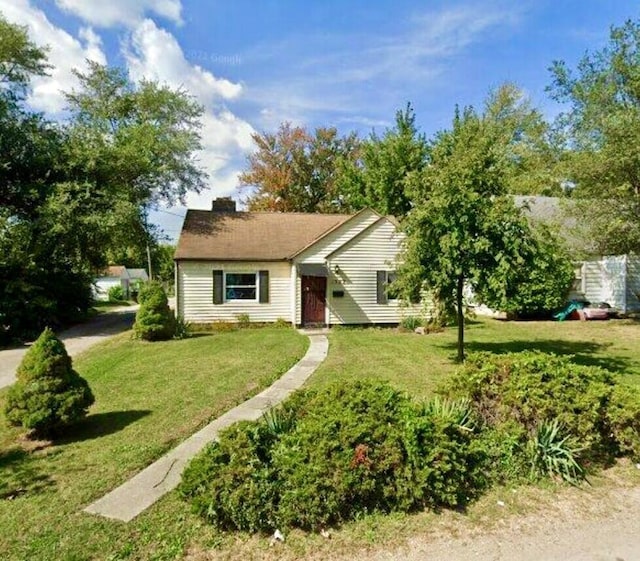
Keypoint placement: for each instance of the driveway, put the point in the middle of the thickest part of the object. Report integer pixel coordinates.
(77, 339)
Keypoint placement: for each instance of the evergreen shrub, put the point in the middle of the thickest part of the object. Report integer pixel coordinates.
(48, 394)
(155, 320)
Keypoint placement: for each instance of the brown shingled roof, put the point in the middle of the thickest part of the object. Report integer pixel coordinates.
(251, 236)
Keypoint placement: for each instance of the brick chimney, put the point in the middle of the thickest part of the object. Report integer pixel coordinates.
(223, 204)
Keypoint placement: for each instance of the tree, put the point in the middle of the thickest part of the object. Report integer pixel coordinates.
(155, 320)
(463, 229)
(378, 178)
(601, 129)
(48, 394)
(295, 170)
(74, 193)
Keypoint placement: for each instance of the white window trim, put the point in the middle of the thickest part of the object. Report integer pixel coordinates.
(224, 286)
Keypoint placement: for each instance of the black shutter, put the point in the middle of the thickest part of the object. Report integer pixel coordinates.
(264, 287)
(218, 283)
(381, 293)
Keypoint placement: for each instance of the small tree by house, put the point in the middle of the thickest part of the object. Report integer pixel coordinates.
(48, 393)
(464, 229)
(155, 320)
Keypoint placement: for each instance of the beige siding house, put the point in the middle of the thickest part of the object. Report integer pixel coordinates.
(307, 269)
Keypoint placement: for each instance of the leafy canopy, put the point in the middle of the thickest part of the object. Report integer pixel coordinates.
(601, 130)
(295, 170)
(464, 230)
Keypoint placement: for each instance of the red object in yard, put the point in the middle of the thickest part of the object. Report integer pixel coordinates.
(595, 313)
(575, 314)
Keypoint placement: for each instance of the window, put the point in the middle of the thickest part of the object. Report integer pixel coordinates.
(240, 286)
(384, 291)
(232, 286)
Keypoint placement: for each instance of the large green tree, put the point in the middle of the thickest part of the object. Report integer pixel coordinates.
(379, 177)
(464, 230)
(601, 129)
(73, 192)
(295, 170)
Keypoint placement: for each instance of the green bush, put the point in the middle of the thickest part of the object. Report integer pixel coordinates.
(411, 322)
(48, 393)
(536, 289)
(155, 320)
(332, 455)
(116, 294)
(531, 388)
(232, 483)
(243, 320)
(182, 328)
(623, 416)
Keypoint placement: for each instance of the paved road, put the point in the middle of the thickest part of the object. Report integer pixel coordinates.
(77, 339)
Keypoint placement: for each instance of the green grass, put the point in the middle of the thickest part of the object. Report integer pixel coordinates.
(419, 363)
(149, 396)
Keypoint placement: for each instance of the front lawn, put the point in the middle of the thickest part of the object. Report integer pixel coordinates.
(419, 363)
(149, 397)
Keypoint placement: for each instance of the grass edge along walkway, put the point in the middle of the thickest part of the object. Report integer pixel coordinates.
(144, 489)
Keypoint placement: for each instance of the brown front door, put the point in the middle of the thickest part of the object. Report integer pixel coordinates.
(314, 290)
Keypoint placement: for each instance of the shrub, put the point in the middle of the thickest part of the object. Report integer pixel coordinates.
(538, 288)
(48, 393)
(332, 455)
(243, 320)
(623, 416)
(231, 483)
(531, 388)
(116, 294)
(410, 322)
(182, 328)
(155, 320)
(282, 323)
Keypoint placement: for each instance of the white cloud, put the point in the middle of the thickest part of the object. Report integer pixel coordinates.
(154, 53)
(65, 53)
(108, 13)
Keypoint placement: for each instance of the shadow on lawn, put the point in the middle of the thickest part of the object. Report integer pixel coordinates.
(20, 474)
(582, 351)
(100, 424)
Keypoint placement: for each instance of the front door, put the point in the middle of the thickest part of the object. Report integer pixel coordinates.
(314, 290)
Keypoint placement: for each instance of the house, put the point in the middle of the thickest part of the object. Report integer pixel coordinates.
(117, 275)
(614, 279)
(307, 269)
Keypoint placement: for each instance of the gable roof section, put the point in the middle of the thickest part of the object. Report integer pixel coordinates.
(391, 219)
(352, 218)
(251, 236)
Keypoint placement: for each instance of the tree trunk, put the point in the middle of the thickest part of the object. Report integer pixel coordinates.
(460, 318)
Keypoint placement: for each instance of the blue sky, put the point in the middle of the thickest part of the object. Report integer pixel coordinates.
(255, 64)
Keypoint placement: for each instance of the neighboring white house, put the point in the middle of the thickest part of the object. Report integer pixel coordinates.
(614, 279)
(117, 275)
(307, 269)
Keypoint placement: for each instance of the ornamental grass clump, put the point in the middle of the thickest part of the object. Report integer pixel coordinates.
(155, 320)
(48, 394)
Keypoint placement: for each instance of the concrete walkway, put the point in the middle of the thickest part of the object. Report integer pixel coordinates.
(139, 493)
(77, 339)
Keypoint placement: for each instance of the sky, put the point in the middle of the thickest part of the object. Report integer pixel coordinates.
(254, 64)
